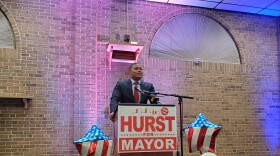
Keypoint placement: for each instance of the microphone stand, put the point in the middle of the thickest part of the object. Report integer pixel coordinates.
(149, 94)
(180, 103)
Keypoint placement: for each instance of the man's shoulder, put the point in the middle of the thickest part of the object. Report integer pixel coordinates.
(124, 81)
(146, 83)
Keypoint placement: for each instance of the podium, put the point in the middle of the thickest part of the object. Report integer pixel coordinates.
(145, 130)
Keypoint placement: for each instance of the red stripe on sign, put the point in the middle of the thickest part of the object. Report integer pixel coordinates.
(105, 148)
(92, 148)
(200, 139)
(190, 134)
(213, 140)
(79, 147)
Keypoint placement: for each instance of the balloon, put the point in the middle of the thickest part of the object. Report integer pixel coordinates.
(208, 154)
(202, 135)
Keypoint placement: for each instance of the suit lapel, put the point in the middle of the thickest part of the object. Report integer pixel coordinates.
(130, 91)
(142, 87)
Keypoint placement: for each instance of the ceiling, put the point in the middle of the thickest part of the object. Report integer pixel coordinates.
(260, 7)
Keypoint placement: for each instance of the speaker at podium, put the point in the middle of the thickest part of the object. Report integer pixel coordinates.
(145, 130)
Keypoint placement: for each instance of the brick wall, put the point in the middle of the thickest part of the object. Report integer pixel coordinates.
(63, 65)
(45, 70)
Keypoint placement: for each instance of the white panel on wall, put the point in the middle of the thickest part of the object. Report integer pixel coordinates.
(194, 37)
(6, 33)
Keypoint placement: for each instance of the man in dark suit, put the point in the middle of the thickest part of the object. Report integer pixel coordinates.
(125, 92)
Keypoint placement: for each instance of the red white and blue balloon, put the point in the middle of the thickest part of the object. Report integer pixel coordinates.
(93, 134)
(202, 135)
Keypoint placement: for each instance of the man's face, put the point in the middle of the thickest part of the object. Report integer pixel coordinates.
(136, 72)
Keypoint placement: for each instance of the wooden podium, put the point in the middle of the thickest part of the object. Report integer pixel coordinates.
(145, 130)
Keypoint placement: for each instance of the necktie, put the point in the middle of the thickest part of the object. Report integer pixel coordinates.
(136, 93)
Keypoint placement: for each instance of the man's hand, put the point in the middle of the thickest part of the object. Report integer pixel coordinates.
(111, 117)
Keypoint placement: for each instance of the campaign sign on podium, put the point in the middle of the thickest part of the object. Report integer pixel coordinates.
(146, 128)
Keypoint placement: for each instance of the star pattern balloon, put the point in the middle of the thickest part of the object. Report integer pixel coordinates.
(202, 135)
(201, 121)
(94, 134)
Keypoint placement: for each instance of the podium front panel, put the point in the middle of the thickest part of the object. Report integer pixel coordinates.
(146, 128)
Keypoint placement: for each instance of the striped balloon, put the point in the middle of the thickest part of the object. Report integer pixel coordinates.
(95, 148)
(202, 135)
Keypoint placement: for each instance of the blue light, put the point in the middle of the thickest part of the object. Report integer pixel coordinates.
(270, 12)
(271, 115)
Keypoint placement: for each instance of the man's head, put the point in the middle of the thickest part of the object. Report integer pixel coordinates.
(136, 71)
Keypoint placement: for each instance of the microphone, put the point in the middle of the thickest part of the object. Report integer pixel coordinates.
(141, 91)
(137, 89)
(145, 92)
(152, 97)
(154, 100)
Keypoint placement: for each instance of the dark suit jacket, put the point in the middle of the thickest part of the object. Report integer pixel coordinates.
(123, 93)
